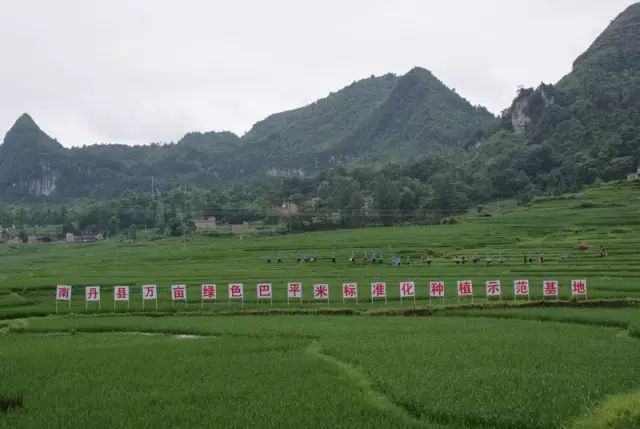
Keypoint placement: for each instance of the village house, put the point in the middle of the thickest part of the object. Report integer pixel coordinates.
(206, 224)
(634, 177)
(240, 228)
(286, 209)
(83, 238)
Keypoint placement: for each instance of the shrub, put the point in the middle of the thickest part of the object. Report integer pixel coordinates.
(10, 401)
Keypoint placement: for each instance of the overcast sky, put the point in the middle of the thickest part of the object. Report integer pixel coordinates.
(151, 70)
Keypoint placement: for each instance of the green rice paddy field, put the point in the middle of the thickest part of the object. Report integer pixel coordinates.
(502, 364)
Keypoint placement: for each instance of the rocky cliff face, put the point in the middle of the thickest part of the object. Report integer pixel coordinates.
(519, 117)
(529, 106)
(30, 161)
(44, 186)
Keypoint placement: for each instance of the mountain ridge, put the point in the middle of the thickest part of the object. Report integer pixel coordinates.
(554, 137)
(294, 142)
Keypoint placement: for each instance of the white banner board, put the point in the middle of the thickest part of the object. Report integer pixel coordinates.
(321, 291)
(493, 288)
(92, 293)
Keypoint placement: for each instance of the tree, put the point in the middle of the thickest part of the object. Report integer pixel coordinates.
(113, 225)
(355, 212)
(132, 232)
(386, 200)
(408, 201)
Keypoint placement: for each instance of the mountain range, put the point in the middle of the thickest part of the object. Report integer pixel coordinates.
(584, 127)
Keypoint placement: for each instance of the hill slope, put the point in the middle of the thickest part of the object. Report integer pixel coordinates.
(553, 138)
(420, 113)
(360, 122)
(35, 166)
(31, 162)
(294, 139)
(591, 118)
(377, 120)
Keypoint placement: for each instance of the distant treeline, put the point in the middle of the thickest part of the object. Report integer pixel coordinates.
(434, 189)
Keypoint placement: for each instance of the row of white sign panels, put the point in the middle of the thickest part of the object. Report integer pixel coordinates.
(320, 291)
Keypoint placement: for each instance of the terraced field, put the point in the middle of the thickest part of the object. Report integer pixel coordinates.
(312, 371)
(488, 365)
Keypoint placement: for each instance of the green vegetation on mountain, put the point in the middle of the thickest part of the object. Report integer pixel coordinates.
(297, 139)
(587, 126)
(420, 114)
(390, 148)
(31, 162)
(416, 108)
(33, 166)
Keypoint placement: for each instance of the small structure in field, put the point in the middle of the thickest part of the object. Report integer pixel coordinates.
(206, 224)
(286, 209)
(83, 238)
(634, 177)
(240, 228)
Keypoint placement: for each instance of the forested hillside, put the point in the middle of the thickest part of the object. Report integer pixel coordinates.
(377, 120)
(384, 150)
(587, 126)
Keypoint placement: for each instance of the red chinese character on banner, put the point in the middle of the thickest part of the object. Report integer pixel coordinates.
(320, 291)
(122, 293)
(149, 292)
(493, 287)
(522, 287)
(295, 290)
(407, 289)
(236, 291)
(349, 290)
(578, 287)
(264, 290)
(209, 291)
(379, 290)
(550, 288)
(465, 287)
(436, 289)
(63, 292)
(178, 292)
(92, 293)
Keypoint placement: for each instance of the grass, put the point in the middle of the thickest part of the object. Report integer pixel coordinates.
(146, 381)
(618, 411)
(338, 371)
(552, 227)
(491, 365)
